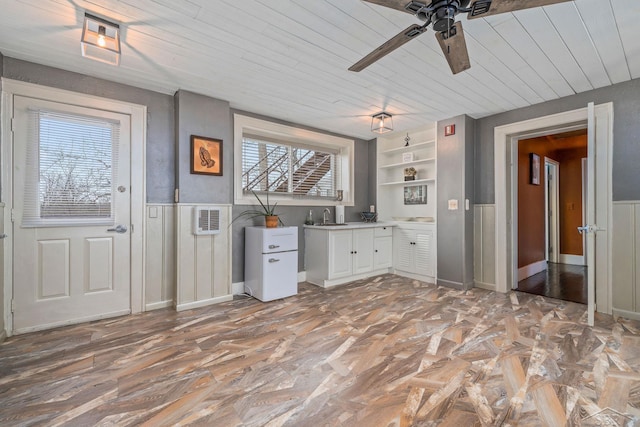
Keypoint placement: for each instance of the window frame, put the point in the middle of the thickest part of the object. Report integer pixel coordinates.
(286, 134)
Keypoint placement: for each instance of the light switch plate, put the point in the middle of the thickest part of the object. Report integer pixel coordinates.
(453, 204)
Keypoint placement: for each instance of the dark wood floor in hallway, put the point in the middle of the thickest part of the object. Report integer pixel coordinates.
(387, 351)
(563, 281)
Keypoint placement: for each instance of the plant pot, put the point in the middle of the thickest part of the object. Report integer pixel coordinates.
(271, 221)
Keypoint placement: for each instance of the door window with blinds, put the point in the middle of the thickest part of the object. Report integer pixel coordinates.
(71, 170)
(296, 167)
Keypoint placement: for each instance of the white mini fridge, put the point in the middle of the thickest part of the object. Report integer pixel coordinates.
(271, 262)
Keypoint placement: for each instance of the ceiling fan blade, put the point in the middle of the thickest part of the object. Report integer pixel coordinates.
(454, 48)
(393, 4)
(389, 46)
(482, 8)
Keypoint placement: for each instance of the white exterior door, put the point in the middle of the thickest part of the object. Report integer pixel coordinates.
(71, 214)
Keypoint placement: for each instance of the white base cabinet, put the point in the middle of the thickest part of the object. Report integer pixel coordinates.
(337, 255)
(414, 249)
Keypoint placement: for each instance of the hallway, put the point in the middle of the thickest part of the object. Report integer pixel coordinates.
(562, 281)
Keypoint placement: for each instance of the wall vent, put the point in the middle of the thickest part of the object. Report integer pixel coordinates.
(206, 220)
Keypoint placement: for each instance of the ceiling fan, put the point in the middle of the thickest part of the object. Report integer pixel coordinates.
(440, 15)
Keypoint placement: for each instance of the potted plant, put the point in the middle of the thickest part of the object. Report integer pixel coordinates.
(271, 218)
(410, 173)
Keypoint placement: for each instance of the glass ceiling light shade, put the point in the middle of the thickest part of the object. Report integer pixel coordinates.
(381, 123)
(100, 40)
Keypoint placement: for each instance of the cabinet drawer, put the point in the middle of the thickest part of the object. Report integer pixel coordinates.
(383, 231)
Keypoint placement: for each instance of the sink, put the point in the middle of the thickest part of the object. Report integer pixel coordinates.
(329, 224)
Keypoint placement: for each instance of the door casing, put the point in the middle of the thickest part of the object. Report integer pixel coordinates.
(506, 138)
(138, 115)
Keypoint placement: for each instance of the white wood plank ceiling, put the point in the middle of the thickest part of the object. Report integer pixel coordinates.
(288, 59)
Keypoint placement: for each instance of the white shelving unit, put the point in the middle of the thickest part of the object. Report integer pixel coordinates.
(392, 159)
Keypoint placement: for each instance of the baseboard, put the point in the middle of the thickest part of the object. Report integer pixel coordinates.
(626, 314)
(487, 286)
(426, 279)
(572, 259)
(326, 283)
(455, 285)
(203, 303)
(159, 305)
(531, 269)
(237, 288)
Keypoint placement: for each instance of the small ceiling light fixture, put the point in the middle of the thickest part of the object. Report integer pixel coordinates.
(381, 122)
(100, 40)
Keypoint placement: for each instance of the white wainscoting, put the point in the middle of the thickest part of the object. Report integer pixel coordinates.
(160, 268)
(5, 308)
(626, 259)
(484, 246)
(203, 269)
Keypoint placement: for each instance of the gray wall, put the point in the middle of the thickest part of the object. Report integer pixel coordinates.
(203, 116)
(160, 116)
(455, 181)
(295, 215)
(626, 135)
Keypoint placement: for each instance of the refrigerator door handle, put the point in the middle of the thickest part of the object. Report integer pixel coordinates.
(274, 260)
(274, 246)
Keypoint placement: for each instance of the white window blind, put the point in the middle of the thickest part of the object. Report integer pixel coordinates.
(71, 170)
(289, 169)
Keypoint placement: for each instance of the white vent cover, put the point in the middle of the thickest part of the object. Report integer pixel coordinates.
(206, 220)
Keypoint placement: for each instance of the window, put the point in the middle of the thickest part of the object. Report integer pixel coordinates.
(71, 163)
(295, 166)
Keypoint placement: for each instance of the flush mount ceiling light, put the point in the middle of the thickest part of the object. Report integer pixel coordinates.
(100, 40)
(381, 122)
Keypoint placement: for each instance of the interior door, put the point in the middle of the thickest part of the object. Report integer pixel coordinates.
(71, 214)
(590, 228)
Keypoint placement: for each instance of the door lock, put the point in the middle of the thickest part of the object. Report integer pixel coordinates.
(119, 229)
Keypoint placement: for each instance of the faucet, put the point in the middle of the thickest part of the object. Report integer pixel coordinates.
(324, 215)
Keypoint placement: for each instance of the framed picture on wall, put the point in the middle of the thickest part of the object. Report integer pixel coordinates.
(534, 163)
(206, 155)
(415, 195)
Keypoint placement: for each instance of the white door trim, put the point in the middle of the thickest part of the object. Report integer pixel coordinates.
(504, 138)
(552, 225)
(138, 115)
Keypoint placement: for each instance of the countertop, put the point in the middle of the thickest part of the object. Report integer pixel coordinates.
(351, 225)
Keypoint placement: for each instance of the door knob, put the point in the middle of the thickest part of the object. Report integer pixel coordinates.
(119, 229)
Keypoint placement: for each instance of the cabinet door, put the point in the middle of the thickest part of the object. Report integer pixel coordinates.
(362, 250)
(424, 253)
(403, 249)
(382, 253)
(340, 256)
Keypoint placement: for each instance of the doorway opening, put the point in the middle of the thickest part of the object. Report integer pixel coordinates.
(550, 209)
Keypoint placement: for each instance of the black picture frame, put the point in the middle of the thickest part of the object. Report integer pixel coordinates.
(534, 166)
(206, 156)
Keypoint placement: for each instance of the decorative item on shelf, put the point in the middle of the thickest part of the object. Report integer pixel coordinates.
(406, 140)
(369, 216)
(407, 157)
(271, 218)
(415, 195)
(410, 174)
(381, 122)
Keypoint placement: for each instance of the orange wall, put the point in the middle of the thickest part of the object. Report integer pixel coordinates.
(571, 199)
(531, 239)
